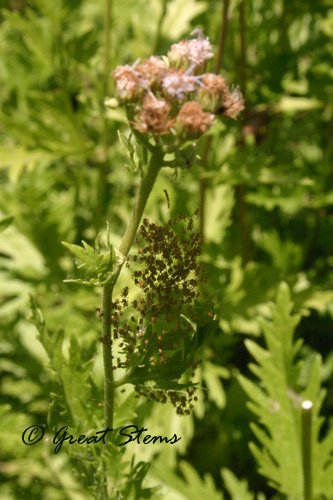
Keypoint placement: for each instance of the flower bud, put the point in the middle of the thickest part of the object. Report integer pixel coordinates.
(211, 91)
(192, 121)
(232, 103)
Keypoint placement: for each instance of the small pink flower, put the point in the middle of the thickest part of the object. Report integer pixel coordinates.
(177, 85)
(130, 84)
(192, 54)
(192, 121)
(211, 91)
(154, 116)
(152, 69)
(216, 84)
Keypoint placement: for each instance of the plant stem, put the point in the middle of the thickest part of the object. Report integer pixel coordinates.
(107, 47)
(306, 448)
(240, 190)
(145, 188)
(218, 63)
(107, 356)
(222, 36)
(147, 183)
(103, 164)
(159, 26)
(243, 68)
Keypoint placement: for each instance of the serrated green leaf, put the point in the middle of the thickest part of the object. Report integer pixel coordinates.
(211, 375)
(99, 264)
(238, 489)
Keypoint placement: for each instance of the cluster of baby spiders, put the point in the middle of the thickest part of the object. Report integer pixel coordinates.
(182, 401)
(151, 328)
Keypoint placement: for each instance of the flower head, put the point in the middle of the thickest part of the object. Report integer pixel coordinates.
(192, 54)
(176, 84)
(130, 84)
(211, 91)
(154, 116)
(152, 69)
(192, 121)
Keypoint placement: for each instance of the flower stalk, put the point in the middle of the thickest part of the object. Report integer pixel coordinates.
(146, 186)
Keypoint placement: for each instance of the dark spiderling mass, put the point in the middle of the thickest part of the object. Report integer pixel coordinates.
(168, 274)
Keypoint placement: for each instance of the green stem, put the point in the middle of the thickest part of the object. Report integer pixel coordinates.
(103, 164)
(146, 186)
(159, 25)
(218, 63)
(109, 386)
(106, 71)
(306, 448)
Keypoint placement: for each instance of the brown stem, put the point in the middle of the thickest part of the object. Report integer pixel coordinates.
(242, 69)
(222, 36)
(241, 189)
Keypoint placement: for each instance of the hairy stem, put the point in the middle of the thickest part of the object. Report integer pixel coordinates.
(146, 186)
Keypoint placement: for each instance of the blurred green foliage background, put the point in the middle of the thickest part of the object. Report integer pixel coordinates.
(267, 182)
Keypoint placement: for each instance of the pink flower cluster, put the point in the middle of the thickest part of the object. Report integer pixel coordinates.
(174, 95)
(192, 54)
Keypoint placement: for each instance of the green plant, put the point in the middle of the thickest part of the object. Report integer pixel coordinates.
(263, 187)
(169, 102)
(291, 456)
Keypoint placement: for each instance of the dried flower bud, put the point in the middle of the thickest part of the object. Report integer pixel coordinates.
(154, 116)
(192, 54)
(152, 69)
(177, 85)
(232, 103)
(212, 91)
(130, 84)
(192, 121)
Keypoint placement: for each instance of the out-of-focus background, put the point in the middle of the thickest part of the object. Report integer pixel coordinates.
(265, 181)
